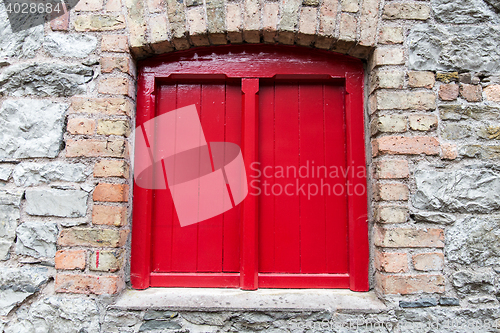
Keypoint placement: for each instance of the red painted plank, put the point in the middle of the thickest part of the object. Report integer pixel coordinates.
(195, 280)
(164, 210)
(249, 237)
(312, 205)
(231, 235)
(311, 281)
(287, 207)
(336, 199)
(358, 206)
(140, 264)
(212, 103)
(185, 239)
(260, 186)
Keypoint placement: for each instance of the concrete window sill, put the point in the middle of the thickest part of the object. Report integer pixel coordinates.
(199, 299)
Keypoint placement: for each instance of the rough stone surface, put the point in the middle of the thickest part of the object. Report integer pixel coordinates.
(155, 325)
(121, 321)
(474, 239)
(9, 217)
(449, 301)
(51, 202)
(476, 112)
(480, 151)
(463, 12)
(45, 79)
(69, 45)
(458, 191)
(37, 239)
(433, 217)
(31, 128)
(469, 282)
(23, 43)
(5, 172)
(454, 131)
(58, 314)
(28, 174)
(441, 47)
(16, 284)
(421, 303)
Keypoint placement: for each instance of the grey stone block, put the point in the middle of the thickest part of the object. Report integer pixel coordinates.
(421, 303)
(432, 217)
(452, 47)
(59, 314)
(5, 172)
(463, 12)
(22, 43)
(37, 239)
(31, 128)
(460, 191)
(45, 79)
(51, 202)
(28, 174)
(449, 301)
(16, 284)
(474, 240)
(69, 45)
(9, 217)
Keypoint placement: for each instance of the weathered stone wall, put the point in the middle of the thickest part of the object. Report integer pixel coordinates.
(67, 93)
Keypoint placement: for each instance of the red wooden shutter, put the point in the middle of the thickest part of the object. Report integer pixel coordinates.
(301, 135)
(294, 111)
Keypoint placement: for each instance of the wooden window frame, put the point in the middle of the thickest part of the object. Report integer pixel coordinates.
(267, 62)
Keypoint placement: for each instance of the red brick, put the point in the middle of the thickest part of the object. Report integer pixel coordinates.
(70, 259)
(111, 192)
(81, 126)
(89, 5)
(471, 92)
(92, 237)
(96, 148)
(400, 145)
(111, 168)
(114, 43)
(391, 192)
(407, 237)
(391, 214)
(88, 284)
(428, 261)
(110, 106)
(109, 215)
(387, 169)
(492, 93)
(106, 260)
(448, 92)
(449, 151)
(109, 63)
(61, 22)
(391, 262)
(116, 86)
(409, 284)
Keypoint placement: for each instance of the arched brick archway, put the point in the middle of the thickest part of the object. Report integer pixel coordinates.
(347, 27)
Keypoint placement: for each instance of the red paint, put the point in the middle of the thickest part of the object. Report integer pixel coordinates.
(97, 259)
(282, 106)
